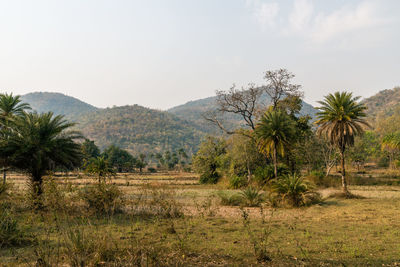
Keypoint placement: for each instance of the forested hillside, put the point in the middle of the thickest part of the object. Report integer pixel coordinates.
(383, 103)
(58, 103)
(139, 130)
(384, 111)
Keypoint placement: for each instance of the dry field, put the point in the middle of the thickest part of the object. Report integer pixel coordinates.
(337, 232)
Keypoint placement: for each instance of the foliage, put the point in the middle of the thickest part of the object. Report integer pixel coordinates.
(264, 174)
(252, 196)
(340, 119)
(89, 150)
(40, 142)
(140, 130)
(230, 199)
(99, 167)
(103, 198)
(274, 133)
(119, 159)
(237, 181)
(11, 234)
(294, 190)
(208, 160)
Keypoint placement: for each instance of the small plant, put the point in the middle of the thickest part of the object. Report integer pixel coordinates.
(260, 242)
(11, 234)
(237, 182)
(252, 196)
(230, 200)
(295, 191)
(103, 198)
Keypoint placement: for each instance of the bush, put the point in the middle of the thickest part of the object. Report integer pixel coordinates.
(151, 170)
(230, 200)
(103, 198)
(383, 162)
(252, 197)
(295, 191)
(263, 175)
(237, 182)
(209, 178)
(10, 232)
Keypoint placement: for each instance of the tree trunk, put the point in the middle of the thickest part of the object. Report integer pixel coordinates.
(4, 176)
(344, 182)
(275, 162)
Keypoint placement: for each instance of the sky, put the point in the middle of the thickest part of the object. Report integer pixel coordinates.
(160, 54)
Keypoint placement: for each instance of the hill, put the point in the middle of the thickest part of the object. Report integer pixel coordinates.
(58, 103)
(193, 110)
(139, 129)
(384, 103)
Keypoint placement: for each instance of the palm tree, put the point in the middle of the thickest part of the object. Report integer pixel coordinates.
(99, 166)
(40, 142)
(340, 119)
(391, 143)
(10, 107)
(274, 132)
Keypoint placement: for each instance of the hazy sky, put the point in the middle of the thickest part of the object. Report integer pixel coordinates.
(161, 53)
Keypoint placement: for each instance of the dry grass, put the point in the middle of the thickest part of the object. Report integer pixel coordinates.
(361, 232)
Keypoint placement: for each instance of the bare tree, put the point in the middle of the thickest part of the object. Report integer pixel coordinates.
(279, 86)
(235, 101)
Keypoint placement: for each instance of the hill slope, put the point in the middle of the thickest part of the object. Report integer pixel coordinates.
(383, 103)
(139, 129)
(58, 103)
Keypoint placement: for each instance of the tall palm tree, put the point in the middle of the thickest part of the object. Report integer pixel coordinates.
(40, 142)
(340, 119)
(274, 132)
(10, 107)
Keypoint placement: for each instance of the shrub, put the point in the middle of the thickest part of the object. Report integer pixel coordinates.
(103, 198)
(230, 200)
(10, 232)
(252, 197)
(237, 182)
(263, 175)
(151, 170)
(295, 191)
(209, 178)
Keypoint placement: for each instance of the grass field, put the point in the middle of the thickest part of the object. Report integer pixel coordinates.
(202, 232)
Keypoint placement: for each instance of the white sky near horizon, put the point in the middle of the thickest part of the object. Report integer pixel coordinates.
(160, 54)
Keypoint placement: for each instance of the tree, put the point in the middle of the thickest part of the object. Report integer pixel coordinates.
(39, 143)
(340, 119)
(207, 160)
(274, 132)
(240, 102)
(10, 108)
(119, 158)
(391, 143)
(89, 150)
(141, 162)
(100, 167)
(279, 86)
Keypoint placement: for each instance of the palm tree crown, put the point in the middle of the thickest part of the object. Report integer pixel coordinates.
(341, 118)
(11, 106)
(40, 142)
(274, 133)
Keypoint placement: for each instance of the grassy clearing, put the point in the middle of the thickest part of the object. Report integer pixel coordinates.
(337, 232)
